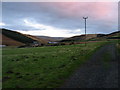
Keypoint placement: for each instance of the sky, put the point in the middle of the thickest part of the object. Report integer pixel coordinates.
(60, 19)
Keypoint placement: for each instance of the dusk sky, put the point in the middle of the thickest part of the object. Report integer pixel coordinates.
(60, 19)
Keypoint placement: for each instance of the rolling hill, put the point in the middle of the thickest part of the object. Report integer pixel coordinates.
(93, 37)
(44, 41)
(51, 39)
(13, 38)
(9, 42)
(79, 38)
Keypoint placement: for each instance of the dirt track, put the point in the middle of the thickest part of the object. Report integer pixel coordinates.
(101, 71)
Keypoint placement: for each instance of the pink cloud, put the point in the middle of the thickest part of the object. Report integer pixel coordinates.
(99, 10)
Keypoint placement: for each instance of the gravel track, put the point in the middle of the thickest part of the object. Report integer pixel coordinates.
(97, 72)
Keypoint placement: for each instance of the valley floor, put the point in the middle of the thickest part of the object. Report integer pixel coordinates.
(52, 67)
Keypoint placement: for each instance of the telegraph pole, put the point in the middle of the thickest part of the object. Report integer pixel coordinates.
(85, 18)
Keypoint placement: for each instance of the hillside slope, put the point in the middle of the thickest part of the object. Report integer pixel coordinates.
(113, 35)
(80, 38)
(51, 39)
(38, 39)
(15, 38)
(9, 42)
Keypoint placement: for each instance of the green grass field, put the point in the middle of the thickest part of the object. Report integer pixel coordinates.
(43, 67)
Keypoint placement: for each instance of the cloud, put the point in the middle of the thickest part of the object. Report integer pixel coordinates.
(62, 16)
(48, 30)
(51, 32)
(34, 24)
(2, 24)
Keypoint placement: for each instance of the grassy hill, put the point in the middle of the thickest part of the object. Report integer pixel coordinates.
(9, 36)
(38, 39)
(13, 38)
(93, 37)
(79, 38)
(111, 36)
(17, 36)
(9, 42)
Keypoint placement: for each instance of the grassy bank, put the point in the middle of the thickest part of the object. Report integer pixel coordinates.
(118, 46)
(43, 67)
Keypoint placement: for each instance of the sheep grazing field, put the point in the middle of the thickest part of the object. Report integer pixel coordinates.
(43, 67)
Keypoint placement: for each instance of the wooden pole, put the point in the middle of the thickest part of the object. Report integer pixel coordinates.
(85, 18)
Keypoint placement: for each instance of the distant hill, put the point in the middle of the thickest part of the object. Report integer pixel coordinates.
(113, 35)
(44, 41)
(79, 38)
(14, 38)
(9, 36)
(47, 38)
